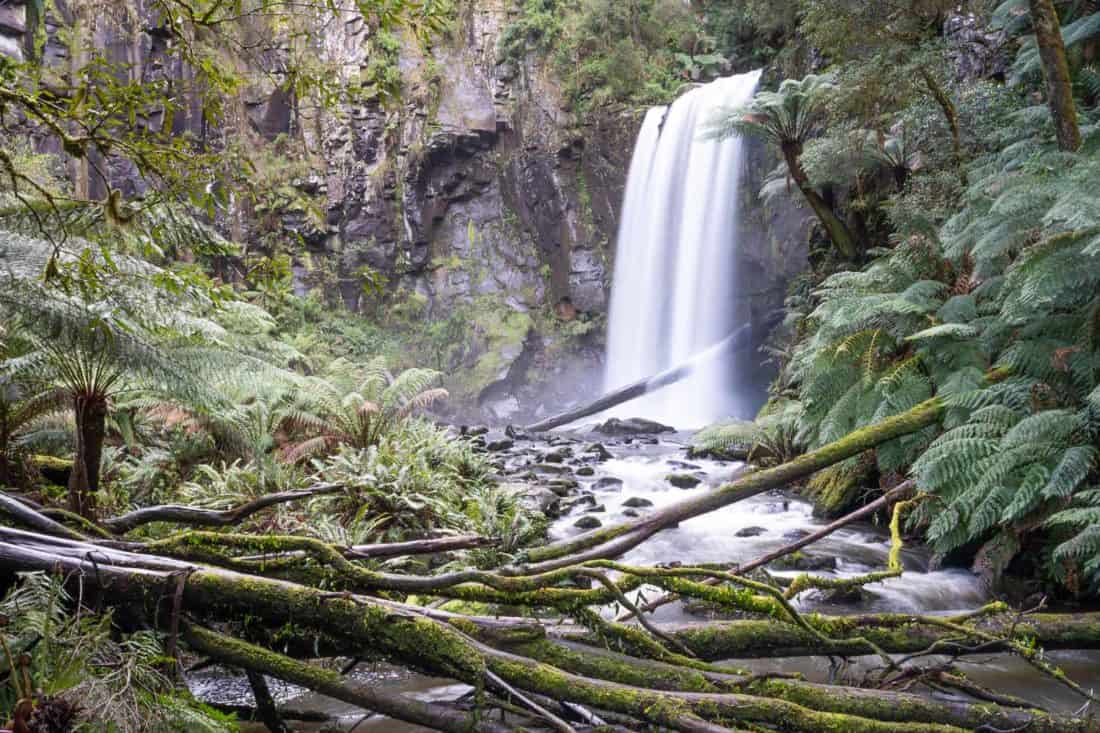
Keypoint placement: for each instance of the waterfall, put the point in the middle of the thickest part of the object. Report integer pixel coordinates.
(674, 286)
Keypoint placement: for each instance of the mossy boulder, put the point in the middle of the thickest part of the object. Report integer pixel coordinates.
(53, 469)
(683, 480)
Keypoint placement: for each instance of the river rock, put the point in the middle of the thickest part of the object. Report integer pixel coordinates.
(637, 502)
(473, 431)
(562, 486)
(683, 480)
(795, 535)
(598, 450)
(596, 509)
(631, 513)
(588, 522)
(496, 446)
(804, 562)
(585, 471)
(556, 456)
(684, 465)
(586, 500)
(543, 500)
(608, 483)
(750, 532)
(516, 433)
(632, 426)
(557, 468)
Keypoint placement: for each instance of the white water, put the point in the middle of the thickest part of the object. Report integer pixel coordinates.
(673, 288)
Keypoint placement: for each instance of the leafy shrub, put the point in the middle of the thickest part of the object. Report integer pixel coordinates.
(78, 658)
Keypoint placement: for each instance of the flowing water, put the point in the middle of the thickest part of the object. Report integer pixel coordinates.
(673, 289)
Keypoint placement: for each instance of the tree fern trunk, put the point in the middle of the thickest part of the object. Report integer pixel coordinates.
(952, 117)
(91, 427)
(836, 229)
(1052, 53)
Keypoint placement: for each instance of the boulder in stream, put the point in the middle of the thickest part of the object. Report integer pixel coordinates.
(637, 502)
(608, 483)
(598, 450)
(683, 480)
(632, 426)
(750, 532)
(588, 522)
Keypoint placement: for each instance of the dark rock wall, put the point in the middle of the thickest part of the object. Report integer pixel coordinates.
(477, 186)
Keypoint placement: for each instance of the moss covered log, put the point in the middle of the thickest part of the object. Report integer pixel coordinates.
(894, 633)
(442, 645)
(234, 652)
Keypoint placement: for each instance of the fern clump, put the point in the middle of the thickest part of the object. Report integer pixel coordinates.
(997, 313)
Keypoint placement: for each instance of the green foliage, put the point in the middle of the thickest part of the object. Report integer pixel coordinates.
(415, 481)
(788, 116)
(637, 52)
(354, 406)
(769, 440)
(1006, 287)
(79, 657)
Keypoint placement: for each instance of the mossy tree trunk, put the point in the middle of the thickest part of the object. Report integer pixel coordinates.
(951, 115)
(837, 231)
(1052, 54)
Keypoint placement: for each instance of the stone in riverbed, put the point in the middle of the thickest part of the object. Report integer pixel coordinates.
(585, 471)
(750, 532)
(516, 433)
(562, 486)
(597, 509)
(631, 513)
(598, 450)
(637, 502)
(608, 483)
(683, 480)
(552, 468)
(544, 500)
(802, 561)
(588, 522)
(556, 456)
(496, 446)
(684, 465)
(632, 426)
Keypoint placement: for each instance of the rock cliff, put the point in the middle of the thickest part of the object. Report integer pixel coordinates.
(477, 195)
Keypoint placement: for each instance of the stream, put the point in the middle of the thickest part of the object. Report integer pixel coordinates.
(638, 470)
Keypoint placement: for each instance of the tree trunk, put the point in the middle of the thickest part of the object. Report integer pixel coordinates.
(952, 117)
(836, 229)
(91, 427)
(737, 340)
(1052, 54)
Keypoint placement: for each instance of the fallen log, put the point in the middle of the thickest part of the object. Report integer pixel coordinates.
(440, 645)
(327, 682)
(894, 633)
(195, 516)
(739, 339)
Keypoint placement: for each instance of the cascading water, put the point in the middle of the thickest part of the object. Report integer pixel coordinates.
(674, 285)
